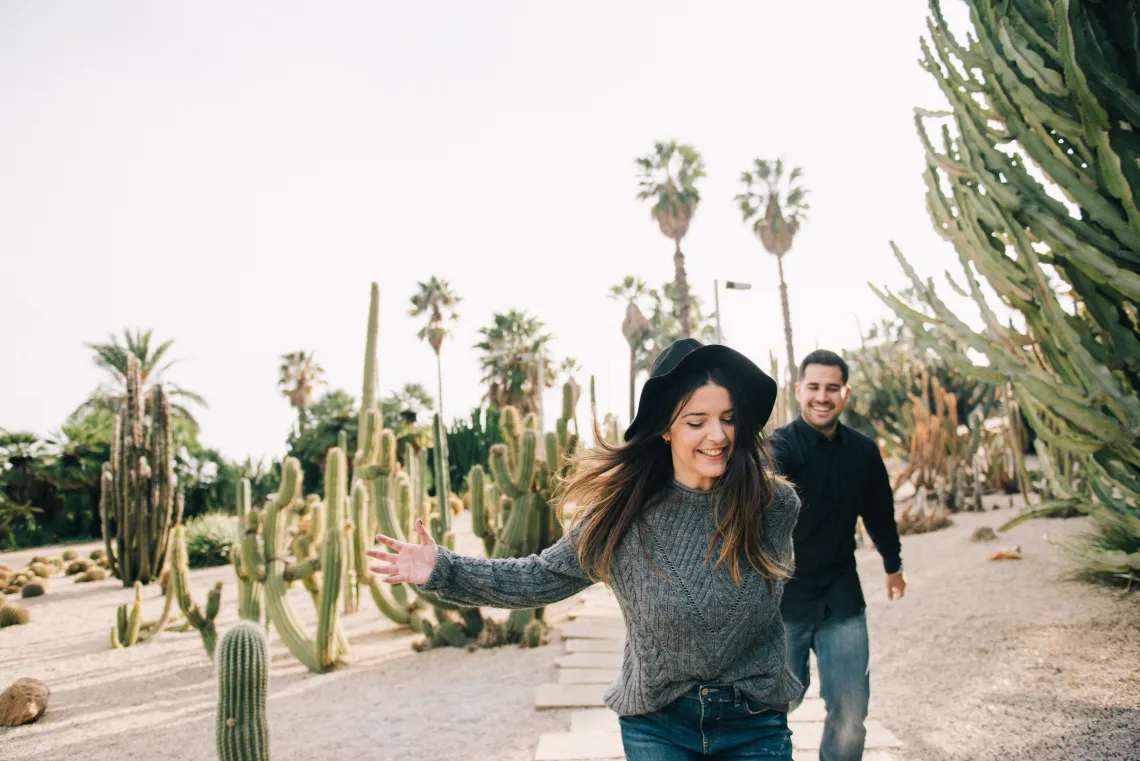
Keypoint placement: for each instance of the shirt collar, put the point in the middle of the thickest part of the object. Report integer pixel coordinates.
(812, 437)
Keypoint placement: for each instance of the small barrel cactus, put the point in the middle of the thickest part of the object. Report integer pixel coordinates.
(78, 566)
(43, 570)
(243, 685)
(13, 615)
(33, 589)
(98, 554)
(534, 634)
(69, 555)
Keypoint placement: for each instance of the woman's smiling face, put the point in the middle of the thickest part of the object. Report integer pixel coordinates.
(701, 437)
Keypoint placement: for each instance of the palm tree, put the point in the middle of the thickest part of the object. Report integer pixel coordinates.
(435, 296)
(300, 374)
(784, 210)
(505, 342)
(112, 357)
(669, 176)
(635, 326)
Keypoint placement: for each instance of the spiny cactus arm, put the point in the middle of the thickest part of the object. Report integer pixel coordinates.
(371, 369)
(518, 482)
(332, 559)
(280, 611)
(106, 510)
(129, 620)
(180, 582)
(480, 518)
(242, 729)
(442, 479)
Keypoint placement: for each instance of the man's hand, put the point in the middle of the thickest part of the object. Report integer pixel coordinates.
(896, 586)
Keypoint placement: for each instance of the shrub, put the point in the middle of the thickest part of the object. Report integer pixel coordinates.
(209, 538)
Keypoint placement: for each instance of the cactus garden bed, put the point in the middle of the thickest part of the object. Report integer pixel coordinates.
(118, 704)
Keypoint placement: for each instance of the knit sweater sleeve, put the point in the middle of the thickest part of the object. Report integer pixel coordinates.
(779, 523)
(529, 582)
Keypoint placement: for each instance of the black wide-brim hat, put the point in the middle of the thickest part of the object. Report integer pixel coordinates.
(687, 354)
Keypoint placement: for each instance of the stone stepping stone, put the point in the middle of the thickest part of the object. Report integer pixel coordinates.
(597, 629)
(595, 645)
(594, 720)
(812, 709)
(590, 661)
(588, 676)
(579, 746)
(570, 696)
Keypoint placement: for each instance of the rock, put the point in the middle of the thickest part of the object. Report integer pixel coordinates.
(23, 702)
(983, 534)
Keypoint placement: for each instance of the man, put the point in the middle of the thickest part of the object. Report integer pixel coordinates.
(840, 476)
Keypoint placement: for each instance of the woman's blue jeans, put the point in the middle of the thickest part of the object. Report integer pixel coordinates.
(713, 721)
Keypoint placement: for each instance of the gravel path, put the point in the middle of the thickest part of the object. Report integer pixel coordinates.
(994, 660)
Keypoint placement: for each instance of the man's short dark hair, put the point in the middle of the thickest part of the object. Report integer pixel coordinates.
(826, 358)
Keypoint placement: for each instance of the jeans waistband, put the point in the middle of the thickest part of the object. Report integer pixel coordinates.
(716, 693)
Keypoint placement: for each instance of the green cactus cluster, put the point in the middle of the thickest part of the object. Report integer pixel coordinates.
(137, 498)
(242, 726)
(34, 588)
(516, 515)
(318, 552)
(1045, 91)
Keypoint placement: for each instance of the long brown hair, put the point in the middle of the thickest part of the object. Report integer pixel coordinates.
(614, 482)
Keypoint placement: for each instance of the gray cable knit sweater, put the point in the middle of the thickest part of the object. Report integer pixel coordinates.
(692, 626)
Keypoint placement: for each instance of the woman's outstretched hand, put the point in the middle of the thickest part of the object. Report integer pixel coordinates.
(411, 563)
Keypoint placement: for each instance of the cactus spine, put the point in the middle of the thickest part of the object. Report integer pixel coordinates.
(242, 728)
(137, 497)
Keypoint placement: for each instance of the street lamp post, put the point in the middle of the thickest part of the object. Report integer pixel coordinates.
(729, 285)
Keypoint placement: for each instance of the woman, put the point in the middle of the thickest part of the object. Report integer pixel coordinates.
(692, 530)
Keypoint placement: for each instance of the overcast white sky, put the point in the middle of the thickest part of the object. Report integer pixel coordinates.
(235, 174)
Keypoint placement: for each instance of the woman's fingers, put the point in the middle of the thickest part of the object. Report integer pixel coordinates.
(425, 537)
(387, 568)
(381, 554)
(388, 541)
(394, 580)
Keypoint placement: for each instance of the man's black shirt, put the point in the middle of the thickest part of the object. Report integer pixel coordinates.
(838, 479)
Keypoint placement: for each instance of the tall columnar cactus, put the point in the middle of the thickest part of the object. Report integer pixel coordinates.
(180, 587)
(1046, 91)
(137, 496)
(242, 728)
(246, 557)
(322, 549)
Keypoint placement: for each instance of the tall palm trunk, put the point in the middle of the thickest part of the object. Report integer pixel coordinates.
(439, 384)
(791, 369)
(681, 292)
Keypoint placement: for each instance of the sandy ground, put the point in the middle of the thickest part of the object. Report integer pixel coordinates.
(987, 660)
(982, 661)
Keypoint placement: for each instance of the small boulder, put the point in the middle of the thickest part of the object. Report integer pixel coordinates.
(23, 702)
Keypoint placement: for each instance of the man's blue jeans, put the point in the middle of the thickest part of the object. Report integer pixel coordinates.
(713, 721)
(843, 652)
